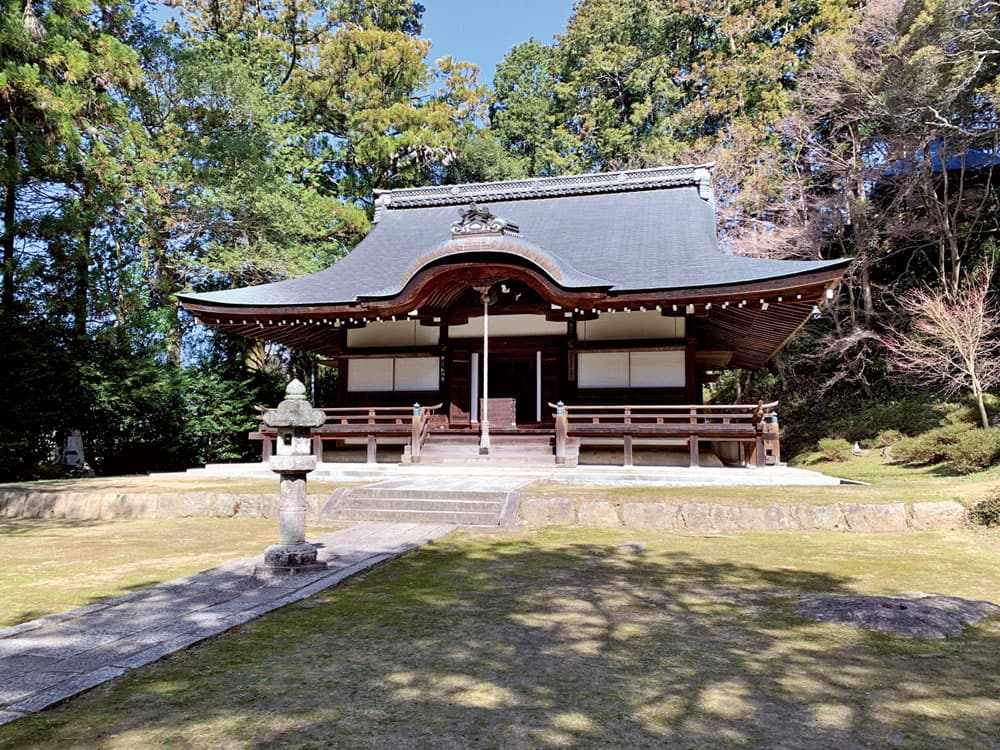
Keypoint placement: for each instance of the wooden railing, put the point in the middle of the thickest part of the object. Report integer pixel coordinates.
(370, 422)
(756, 424)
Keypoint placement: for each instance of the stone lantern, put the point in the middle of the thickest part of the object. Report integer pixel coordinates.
(293, 420)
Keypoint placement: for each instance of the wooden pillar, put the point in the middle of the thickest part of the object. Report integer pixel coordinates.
(692, 388)
(693, 448)
(758, 448)
(267, 449)
(372, 448)
(628, 448)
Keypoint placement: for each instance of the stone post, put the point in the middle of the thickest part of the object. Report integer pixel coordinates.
(562, 428)
(293, 419)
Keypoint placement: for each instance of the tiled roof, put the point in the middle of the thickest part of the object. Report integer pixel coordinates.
(630, 231)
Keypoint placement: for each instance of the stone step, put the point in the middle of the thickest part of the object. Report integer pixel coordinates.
(420, 516)
(411, 493)
(367, 502)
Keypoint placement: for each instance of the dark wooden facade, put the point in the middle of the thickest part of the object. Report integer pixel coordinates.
(615, 295)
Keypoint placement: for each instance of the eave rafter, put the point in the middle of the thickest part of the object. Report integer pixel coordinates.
(752, 319)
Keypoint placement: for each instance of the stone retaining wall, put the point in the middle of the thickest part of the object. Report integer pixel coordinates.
(536, 512)
(19, 503)
(697, 517)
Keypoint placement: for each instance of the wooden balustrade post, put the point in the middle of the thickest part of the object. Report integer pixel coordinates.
(372, 449)
(267, 449)
(415, 433)
(693, 450)
(317, 448)
(562, 428)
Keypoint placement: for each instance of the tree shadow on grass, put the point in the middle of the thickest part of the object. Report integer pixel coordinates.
(16, 526)
(506, 644)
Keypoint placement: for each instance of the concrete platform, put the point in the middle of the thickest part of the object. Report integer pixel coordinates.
(651, 476)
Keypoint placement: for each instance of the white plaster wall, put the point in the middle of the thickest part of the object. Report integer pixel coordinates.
(417, 374)
(657, 369)
(631, 325)
(509, 325)
(386, 374)
(369, 375)
(630, 369)
(602, 370)
(393, 333)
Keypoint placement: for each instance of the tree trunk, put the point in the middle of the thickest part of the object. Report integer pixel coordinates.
(11, 175)
(868, 307)
(81, 282)
(977, 390)
(163, 291)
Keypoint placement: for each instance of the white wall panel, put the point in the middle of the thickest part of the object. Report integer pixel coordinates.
(602, 370)
(631, 369)
(417, 374)
(631, 325)
(369, 375)
(509, 325)
(657, 369)
(393, 333)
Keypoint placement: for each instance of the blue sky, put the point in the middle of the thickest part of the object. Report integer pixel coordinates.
(477, 31)
(483, 31)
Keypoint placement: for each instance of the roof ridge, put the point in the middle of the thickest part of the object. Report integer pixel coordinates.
(697, 175)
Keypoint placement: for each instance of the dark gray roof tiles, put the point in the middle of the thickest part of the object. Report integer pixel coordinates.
(627, 233)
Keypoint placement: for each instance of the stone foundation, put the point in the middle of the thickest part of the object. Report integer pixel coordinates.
(701, 518)
(535, 512)
(20, 503)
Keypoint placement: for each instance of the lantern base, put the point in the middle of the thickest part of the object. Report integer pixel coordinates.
(290, 559)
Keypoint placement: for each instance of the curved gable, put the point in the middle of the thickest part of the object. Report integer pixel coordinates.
(474, 248)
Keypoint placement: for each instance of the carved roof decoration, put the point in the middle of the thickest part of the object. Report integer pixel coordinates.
(695, 175)
(480, 220)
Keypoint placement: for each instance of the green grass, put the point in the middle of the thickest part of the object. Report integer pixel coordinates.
(569, 639)
(51, 566)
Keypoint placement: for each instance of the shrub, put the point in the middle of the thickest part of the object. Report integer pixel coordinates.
(886, 438)
(834, 449)
(986, 512)
(975, 450)
(931, 447)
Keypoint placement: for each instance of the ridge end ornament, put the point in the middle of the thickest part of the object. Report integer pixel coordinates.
(480, 220)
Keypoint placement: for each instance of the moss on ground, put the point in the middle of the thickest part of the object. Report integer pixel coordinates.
(578, 638)
(51, 566)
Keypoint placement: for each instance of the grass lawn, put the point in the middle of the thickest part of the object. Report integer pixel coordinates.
(578, 638)
(886, 483)
(53, 565)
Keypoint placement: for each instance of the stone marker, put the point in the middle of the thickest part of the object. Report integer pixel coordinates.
(293, 419)
(916, 615)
